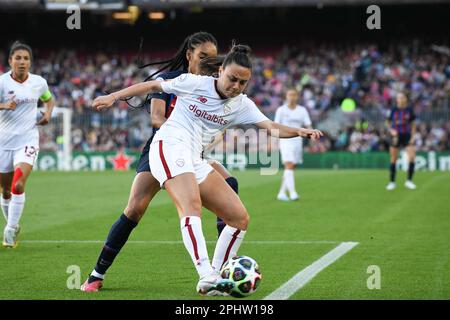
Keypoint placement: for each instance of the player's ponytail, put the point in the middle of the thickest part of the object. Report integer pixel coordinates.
(178, 61)
(17, 45)
(240, 55)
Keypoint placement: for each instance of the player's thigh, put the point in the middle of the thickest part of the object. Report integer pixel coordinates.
(218, 197)
(184, 191)
(25, 171)
(5, 183)
(220, 169)
(393, 152)
(25, 159)
(411, 151)
(143, 189)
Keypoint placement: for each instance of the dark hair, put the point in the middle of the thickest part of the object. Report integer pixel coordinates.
(210, 66)
(17, 45)
(178, 61)
(239, 54)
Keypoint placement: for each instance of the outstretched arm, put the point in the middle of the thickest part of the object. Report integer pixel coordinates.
(278, 130)
(104, 102)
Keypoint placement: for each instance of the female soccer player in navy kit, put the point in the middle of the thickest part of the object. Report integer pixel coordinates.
(205, 107)
(402, 127)
(196, 47)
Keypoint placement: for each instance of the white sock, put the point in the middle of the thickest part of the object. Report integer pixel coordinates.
(97, 275)
(289, 180)
(5, 204)
(283, 187)
(194, 241)
(227, 246)
(15, 209)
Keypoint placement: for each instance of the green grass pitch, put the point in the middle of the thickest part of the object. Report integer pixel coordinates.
(406, 233)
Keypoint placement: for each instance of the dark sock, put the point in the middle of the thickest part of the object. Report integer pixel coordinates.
(393, 169)
(220, 226)
(410, 170)
(117, 237)
(233, 183)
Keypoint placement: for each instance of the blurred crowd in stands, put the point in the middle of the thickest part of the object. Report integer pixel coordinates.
(428, 137)
(327, 74)
(323, 74)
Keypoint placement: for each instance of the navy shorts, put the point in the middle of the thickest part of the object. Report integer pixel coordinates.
(401, 140)
(143, 164)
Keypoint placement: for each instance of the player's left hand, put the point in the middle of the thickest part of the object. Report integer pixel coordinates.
(45, 119)
(313, 134)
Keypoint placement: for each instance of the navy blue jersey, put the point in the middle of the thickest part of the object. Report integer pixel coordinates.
(401, 119)
(170, 99)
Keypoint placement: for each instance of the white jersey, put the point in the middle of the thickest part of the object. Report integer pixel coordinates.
(200, 113)
(18, 127)
(295, 118)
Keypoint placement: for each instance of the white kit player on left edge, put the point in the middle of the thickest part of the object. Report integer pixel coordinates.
(292, 115)
(19, 136)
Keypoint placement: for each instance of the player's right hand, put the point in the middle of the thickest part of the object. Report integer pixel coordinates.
(312, 134)
(10, 104)
(103, 102)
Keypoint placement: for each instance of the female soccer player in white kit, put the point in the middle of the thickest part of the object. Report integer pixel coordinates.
(20, 91)
(205, 107)
(293, 115)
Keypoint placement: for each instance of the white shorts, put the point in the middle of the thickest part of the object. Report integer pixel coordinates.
(291, 151)
(170, 157)
(10, 158)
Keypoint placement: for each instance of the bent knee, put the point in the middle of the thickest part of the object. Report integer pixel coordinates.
(18, 187)
(194, 206)
(135, 212)
(242, 221)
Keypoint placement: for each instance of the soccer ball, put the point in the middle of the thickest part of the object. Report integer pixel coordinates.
(244, 272)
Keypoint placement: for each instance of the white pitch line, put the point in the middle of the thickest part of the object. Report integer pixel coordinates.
(304, 276)
(171, 242)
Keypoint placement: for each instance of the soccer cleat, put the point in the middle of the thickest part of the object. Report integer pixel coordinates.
(214, 285)
(10, 237)
(391, 186)
(410, 185)
(282, 197)
(294, 196)
(94, 286)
